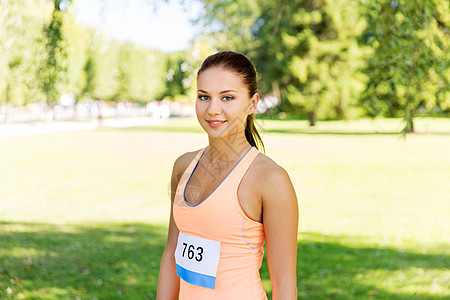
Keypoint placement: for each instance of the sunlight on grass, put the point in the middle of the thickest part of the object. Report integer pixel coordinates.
(412, 280)
(51, 293)
(127, 174)
(84, 214)
(20, 252)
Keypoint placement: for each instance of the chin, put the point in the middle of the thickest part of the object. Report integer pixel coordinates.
(228, 129)
(216, 134)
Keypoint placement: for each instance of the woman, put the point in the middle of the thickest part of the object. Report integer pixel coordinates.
(228, 199)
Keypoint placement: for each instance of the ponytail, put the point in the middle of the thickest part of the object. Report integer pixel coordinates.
(252, 135)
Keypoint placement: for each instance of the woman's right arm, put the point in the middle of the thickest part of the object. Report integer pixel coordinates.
(168, 281)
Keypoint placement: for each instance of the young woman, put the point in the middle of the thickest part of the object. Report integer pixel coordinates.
(228, 199)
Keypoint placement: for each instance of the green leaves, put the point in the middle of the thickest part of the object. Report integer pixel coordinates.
(300, 69)
(45, 52)
(408, 47)
(325, 55)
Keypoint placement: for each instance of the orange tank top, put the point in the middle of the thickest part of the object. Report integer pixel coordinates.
(220, 218)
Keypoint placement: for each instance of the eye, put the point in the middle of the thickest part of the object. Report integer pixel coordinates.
(227, 98)
(203, 97)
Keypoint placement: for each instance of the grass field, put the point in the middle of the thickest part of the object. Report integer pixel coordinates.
(83, 215)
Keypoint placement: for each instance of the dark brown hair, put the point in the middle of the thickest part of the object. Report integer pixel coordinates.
(242, 66)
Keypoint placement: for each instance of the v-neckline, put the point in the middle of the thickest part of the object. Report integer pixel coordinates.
(195, 167)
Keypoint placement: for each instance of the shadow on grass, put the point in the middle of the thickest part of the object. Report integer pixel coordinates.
(329, 269)
(121, 261)
(110, 261)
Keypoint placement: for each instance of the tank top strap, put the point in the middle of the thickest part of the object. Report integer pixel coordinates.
(241, 168)
(192, 165)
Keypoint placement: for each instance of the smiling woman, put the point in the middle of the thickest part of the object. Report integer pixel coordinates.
(217, 107)
(228, 199)
(238, 78)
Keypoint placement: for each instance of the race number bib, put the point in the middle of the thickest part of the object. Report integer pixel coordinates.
(197, 260)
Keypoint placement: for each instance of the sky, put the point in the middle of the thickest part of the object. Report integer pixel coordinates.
(165, 26)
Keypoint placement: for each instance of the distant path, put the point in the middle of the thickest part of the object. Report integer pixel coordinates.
(33, 128)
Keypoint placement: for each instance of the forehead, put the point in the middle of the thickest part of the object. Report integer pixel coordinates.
(219, 79)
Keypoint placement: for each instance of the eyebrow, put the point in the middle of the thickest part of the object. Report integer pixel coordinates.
(222, 92)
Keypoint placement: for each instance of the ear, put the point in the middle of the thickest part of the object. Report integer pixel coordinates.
(253, 103)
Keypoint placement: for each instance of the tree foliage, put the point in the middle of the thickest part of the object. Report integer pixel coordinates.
(409, 68)
(45, 53)
(306, 51)
(320, 56)
(52, 73)
(177, 77)
(325, 59)
(20, 31)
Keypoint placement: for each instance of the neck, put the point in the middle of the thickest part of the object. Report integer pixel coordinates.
(226, 150)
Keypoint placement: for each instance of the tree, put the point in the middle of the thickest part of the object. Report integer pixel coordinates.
(53, 70)
(178, 78)
(307, 50)
(10, 21)
(90, 68)
(409, 67)
(140, 73)
(230, 24)
(21, 48)
(77, 43)
(304, 50)
(44, 53)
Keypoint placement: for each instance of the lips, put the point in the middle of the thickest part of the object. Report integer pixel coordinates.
(215, 123)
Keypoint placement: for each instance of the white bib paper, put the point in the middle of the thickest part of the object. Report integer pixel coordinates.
(197, 260)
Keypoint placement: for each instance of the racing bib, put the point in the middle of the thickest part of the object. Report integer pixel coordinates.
(197, 260)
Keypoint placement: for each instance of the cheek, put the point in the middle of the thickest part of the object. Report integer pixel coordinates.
(238, 115)
(199, 107)
(244, 109)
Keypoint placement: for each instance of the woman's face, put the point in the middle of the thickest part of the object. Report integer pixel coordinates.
(223, 103)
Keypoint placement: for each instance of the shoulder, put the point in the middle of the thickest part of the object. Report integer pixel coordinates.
(272, 179)
(182, 162)
(268, 170)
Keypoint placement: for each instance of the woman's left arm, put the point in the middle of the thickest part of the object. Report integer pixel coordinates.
(280, 219)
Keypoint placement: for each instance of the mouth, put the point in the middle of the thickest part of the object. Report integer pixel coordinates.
(215, 123)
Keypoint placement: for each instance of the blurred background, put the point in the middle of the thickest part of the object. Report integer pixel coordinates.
(320, 60)
(97, 102)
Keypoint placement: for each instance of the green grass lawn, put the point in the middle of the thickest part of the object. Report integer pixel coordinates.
(83, 215)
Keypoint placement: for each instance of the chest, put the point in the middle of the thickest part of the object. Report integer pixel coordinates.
(204, 182)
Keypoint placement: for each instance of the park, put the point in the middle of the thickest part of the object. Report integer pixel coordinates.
(355, 106)
(84, 214)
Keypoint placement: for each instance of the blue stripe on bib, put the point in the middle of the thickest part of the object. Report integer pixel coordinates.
(196, 278)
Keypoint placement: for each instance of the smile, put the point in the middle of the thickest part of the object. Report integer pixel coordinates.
(215, 123)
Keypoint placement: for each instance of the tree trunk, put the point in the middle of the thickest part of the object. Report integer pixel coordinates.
(340, 108)
(409, 118)
(312, 118)
(313, 115)
(411, 121)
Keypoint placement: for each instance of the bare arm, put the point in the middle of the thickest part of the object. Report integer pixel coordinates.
(168, 281)
(280, 218)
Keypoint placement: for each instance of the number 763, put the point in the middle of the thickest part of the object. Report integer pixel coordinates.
(192, 252)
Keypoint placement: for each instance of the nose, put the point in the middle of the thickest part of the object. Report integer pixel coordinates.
(214, 108)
